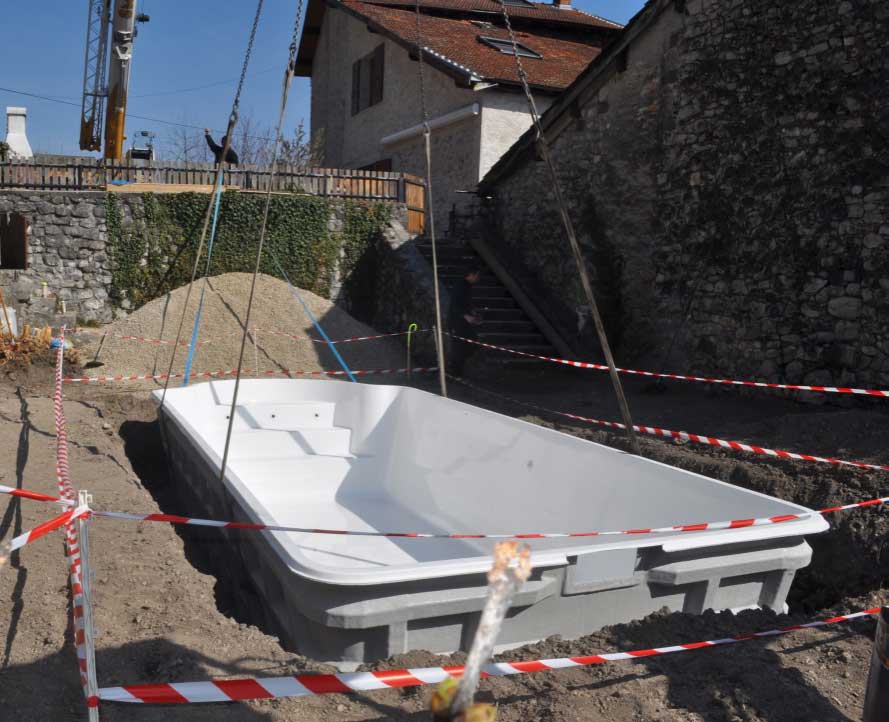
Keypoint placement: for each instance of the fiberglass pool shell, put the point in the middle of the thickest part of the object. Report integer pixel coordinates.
(335, 455)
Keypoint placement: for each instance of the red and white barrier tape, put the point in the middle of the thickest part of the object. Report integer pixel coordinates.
(43, 529)
(703, 526)
(681, 377)
(295, 337)
(67, 494)
(271, 372)
(301, 685)
(686, 436)
(25, 494)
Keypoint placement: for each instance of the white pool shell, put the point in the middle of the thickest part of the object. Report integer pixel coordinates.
(336, 455)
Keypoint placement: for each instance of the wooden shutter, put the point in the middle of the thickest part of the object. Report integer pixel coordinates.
(376, 90)
(356, 87)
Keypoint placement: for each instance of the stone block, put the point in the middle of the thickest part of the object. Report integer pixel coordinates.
(82, 210)
(844, 307)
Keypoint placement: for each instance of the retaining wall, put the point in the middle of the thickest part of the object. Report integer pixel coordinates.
(736, 173)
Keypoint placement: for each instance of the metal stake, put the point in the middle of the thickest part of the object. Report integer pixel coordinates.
(876, 701)
(410, 330)
(86, 583)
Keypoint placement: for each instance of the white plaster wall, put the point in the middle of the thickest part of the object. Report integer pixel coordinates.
(354, 141)
(504, 118)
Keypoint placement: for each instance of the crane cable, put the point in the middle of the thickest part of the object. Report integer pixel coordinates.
(572, 237)
(289, 72)
(427, 135)
(220, 173)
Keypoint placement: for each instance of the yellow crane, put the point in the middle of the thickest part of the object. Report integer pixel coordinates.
(116, 26)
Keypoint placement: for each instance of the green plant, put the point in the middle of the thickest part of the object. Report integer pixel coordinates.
(154, 251)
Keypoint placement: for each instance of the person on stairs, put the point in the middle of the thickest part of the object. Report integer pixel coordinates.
(230, 157)
(462, 320)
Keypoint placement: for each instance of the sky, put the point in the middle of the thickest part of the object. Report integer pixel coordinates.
(188, 44)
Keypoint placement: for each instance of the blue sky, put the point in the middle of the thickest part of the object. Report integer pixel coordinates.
(188, 43)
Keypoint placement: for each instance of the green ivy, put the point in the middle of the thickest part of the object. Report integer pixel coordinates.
(362, 224)
(154, 251)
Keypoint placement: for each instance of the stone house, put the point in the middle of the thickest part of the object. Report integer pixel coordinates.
(362, 55)
(725, 166)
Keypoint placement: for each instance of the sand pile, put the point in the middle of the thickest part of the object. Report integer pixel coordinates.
(275, 309)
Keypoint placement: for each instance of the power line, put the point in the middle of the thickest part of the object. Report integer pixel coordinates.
(129, 115)
(201, 87)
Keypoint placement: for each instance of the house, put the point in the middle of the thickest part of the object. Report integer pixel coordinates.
(367, 107)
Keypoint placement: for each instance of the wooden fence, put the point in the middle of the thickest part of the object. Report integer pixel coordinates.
(88, 174)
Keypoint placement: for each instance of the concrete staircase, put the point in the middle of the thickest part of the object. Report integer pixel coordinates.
(505, 323)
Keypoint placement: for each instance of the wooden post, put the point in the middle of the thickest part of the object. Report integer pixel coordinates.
(876, 701)
(6, 317)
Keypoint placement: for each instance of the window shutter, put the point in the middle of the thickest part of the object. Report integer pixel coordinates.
(376, 94)
(356, 86)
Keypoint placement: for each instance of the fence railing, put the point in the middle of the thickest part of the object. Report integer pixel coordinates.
(89, 174)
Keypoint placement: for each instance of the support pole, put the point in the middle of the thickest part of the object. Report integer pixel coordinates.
(876, 700)
(86, 583)
(572, 239)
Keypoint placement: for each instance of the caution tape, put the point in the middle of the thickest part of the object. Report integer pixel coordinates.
(302, 685)
(234, 372)
(680, 377)
(686, 436)
(25, 494)
(702, 526)
(255, 329)
(72, 540)
(43, 529)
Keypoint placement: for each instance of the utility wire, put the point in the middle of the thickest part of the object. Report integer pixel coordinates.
(229, 81)
(129, 115)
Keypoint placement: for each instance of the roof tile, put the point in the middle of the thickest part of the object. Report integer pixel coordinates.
(456, 40)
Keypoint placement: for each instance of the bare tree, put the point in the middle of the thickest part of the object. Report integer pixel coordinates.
(301, 151)
(184, 143)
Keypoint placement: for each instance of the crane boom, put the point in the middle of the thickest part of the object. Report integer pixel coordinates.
(123, 32)
(92, 112)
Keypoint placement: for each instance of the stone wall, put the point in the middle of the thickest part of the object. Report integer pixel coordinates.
(68, 250)
(734, 174)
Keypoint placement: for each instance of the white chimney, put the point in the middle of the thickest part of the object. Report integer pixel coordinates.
(16, 136)
(562, 4)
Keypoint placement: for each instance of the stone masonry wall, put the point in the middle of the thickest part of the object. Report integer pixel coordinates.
(736, 175)
(68, 250)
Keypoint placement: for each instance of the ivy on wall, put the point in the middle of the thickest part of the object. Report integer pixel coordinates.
(361, 225)
(152, 242)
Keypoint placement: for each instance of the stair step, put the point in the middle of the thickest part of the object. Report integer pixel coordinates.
(490, 326)
(503, 302)
(497, 315)
(513, 340)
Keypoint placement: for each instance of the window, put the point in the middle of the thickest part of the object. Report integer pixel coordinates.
(505, 46)
(13, 241)
(367, 81)
(520, 3)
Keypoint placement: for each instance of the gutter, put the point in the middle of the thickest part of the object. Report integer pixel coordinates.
(441, 121)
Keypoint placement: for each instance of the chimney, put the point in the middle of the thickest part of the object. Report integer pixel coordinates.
(16, 136)
(562, 4)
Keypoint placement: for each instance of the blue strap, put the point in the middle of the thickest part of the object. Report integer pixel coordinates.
(197, 319)
(330, 343)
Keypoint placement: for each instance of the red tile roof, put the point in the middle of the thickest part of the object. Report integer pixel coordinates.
(455, 42)
(534, 11)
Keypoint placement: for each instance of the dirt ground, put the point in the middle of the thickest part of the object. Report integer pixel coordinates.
(161, 617)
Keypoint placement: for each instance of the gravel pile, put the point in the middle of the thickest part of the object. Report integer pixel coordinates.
(275, 309)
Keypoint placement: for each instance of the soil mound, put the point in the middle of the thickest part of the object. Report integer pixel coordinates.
(285, 337)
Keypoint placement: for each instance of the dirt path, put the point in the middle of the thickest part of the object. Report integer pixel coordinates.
(161, 618)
